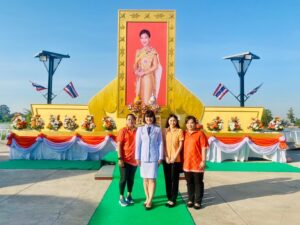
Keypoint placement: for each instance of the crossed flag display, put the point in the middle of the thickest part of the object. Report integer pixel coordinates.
(221, 91)
(69, 89)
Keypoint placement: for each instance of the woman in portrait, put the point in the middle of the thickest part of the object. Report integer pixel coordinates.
(173, 139)
(195, 146)
(147, 69)
(149, 154)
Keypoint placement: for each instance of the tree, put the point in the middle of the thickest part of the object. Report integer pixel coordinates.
(27, 114)
(4, 113)
(291, 116)
(266, 117)
(297, 122)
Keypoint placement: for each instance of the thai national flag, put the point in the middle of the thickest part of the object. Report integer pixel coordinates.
(38, 87)
(220, 91)
(254, 90)
(71, 90)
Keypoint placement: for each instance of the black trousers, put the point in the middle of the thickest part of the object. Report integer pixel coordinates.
(172, 172)
(126, 177)
(195, 186)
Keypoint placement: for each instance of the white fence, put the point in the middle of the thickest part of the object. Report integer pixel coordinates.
(292, 136)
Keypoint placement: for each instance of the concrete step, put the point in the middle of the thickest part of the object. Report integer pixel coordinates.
(105, 172)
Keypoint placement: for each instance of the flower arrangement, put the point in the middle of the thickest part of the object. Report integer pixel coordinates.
(234, 124)
(256, 125)
(108, 123)
(276, 124)
(70, 123)
(139, 109)
(18, 122)
(36, 122)
(216, 124)
(88, 124)
(54, 123)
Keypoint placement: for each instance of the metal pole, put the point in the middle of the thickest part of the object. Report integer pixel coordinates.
(242, 84)
(50, 76)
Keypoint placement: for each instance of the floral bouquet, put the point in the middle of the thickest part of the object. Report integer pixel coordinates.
(36, 122)
(234, 124)
(256, 125)
(108, 123)
(88, 124)
(216, 124)
(276, 124)
(70, 123)
(18, 122)
(139, 109)
(54, 123)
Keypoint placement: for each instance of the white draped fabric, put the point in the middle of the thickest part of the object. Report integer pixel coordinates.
(74, 149)
(241, 151)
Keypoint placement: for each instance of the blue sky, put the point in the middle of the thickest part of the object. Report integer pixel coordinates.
(206, 31)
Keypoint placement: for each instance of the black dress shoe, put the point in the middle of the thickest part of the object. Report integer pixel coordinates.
(172, 205)
(197, 206)
(148, 207)
(190, 204)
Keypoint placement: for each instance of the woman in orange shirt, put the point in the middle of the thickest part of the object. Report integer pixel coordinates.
(173, 139)
(195, 146)
(126, 159)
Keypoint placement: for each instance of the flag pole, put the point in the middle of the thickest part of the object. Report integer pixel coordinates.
(232, 94)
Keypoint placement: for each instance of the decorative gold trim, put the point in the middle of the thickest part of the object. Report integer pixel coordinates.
(166, 16)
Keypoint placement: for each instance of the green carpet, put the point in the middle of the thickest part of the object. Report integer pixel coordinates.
(50, 165)
(109, 212)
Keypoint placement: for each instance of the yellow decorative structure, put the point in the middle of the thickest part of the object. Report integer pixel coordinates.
(244, 114)
(110, 101)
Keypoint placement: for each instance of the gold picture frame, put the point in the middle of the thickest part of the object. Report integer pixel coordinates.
(125, 16)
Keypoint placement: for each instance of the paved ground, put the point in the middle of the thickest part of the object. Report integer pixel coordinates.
(249, 198)
(70, 197)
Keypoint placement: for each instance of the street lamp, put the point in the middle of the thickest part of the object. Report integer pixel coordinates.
(241, 63)
(51, 61)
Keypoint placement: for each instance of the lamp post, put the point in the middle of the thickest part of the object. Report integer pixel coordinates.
(51, 61)
(241, 63)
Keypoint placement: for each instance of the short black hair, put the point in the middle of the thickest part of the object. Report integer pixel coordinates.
(130, 114)
(144, 31)
(175, 117)
(190, 118)
(150, 113)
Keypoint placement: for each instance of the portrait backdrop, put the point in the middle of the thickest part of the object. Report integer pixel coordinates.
(158, 41)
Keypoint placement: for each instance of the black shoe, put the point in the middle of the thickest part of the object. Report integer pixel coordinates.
(172, 205)
(190, 204)
(197, 206)
(148, 207)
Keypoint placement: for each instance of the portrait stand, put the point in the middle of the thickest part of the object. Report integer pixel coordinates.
(161, 26)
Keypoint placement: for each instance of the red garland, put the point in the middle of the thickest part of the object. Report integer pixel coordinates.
(27, 141)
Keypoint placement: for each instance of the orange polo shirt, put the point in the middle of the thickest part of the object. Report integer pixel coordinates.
(126, 137)
(192, 154)
(172, 139)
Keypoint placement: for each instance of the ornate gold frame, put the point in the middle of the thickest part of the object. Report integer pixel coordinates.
(125, 16)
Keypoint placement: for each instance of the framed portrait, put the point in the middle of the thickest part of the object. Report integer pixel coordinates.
(146, 53)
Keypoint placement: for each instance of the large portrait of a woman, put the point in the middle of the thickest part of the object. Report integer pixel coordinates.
(146, 62)
(146, 53)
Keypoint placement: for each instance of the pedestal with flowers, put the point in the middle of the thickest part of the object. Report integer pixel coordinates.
(139, 109)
